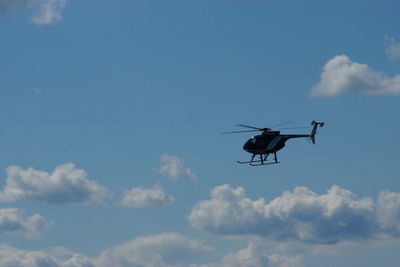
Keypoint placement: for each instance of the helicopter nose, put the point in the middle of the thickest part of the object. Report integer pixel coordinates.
(247, 146)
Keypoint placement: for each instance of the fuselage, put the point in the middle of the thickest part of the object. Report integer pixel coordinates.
(265, 143)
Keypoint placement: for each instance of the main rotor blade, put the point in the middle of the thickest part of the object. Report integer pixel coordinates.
(247, 131)
(247, 126)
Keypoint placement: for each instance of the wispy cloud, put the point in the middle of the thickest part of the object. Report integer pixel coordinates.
(66, 184)
(37, 90)
(11, 221)
(341, 75)
(173, 168)
(393, 48)
(145, 197)
(301, 215)
(44, 11)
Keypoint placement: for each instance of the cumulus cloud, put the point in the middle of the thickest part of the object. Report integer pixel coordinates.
(393, 49)
(341, 75)
(66, 184)
(301, 215)
(144, 197)
(253, 256)
(173, 168)
(11, 221)
(44, 11)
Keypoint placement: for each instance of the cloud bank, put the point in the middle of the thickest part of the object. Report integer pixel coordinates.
(11, 221)
(44, 11)
(163, 250)
(66, 184)
(144, 197)
(301, 215)
(173, 168)
(341, 75)
(160, 250)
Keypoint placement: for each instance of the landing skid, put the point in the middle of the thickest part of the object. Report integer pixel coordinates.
(261, 161)
(265, 163)
(248, 162)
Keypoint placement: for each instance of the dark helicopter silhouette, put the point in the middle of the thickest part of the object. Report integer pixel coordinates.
(269, 142)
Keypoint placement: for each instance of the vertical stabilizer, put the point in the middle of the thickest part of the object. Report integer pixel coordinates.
(314, 129)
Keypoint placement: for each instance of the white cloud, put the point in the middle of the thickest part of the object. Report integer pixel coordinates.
(159, 250)
(144, 197)
(66, 184)
(11, 221)
(173, 168)
(166, 249)
(12, 257)
(47, 12)
(228, 212)
(388, 212)
(301, 215)
(254, 256)
(44, 11)
(77, 260)
(175, 250)
(341, 75)
(393, 49)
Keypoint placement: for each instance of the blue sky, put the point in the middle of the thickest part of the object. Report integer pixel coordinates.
(112, 113)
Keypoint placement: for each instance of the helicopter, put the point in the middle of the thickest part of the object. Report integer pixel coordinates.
(269, 142)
